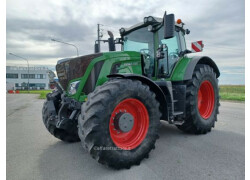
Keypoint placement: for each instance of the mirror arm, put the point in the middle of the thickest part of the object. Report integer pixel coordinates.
(186, 51)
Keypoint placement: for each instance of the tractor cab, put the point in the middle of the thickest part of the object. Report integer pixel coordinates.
(160, 41)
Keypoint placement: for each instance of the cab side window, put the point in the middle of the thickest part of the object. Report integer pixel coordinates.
(182, 41)
(173, 53)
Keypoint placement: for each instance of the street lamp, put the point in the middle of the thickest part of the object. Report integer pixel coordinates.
(28, 68)
(67, 44)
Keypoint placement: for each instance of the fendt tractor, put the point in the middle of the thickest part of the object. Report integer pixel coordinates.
(113, 101)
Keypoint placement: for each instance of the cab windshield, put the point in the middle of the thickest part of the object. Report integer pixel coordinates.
(142, 40)
(139, 40)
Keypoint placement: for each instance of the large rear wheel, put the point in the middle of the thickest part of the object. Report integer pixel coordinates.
(202, 101)
(119, 123)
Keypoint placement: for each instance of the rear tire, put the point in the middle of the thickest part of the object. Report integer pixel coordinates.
(58, 133)
(202, 101)
(96, 127)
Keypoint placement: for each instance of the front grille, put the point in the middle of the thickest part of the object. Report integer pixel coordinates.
(73, 68)
(92, 79)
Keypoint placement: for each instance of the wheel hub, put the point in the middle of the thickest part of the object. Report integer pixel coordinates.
(124, 122)
(129, 123)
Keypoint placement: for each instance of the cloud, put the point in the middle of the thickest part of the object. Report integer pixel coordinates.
(31, 24)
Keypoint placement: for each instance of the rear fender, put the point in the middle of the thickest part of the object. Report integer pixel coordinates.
(200, 60)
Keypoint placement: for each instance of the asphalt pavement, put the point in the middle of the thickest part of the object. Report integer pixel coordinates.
(32, 153)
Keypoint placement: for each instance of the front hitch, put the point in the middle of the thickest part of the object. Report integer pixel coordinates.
(66, 116)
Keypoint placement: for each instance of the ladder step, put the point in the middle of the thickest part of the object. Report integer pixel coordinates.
(178, 122)
(178, 113)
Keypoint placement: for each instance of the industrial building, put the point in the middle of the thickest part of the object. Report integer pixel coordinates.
(19, 77)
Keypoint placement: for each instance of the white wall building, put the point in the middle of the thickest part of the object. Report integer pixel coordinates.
(38, 77)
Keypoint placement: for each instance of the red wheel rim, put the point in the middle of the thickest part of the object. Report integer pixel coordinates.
(206, 99)
(133, 138)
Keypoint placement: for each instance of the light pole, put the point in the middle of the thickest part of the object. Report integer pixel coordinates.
(67, 44)
(28, 68)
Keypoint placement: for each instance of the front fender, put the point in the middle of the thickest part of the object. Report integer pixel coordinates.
(160, 95)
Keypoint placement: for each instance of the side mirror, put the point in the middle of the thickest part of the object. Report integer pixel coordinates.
(169, 26)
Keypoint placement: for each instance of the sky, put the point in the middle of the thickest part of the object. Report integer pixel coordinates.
(30, 25)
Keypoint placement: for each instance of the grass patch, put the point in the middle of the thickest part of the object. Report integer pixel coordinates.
(41, 92)
(232, 92)
(227, 92)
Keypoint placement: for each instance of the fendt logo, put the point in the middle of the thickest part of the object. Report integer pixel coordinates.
(197, 46)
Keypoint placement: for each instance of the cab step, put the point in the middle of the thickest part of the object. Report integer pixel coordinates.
(177, 113)
(178, 122)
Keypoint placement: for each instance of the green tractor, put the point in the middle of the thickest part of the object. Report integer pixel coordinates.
(113, 102)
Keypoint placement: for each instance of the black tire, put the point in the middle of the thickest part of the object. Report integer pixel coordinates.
(95, 116)
(58, 133)
(194, 122)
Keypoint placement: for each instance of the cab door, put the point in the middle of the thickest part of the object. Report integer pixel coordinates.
(171, 54)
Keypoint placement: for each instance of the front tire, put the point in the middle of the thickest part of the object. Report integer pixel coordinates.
(115, 102)
(56, 132)
(202, 101)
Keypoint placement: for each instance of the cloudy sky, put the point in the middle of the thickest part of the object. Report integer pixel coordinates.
(30, 25)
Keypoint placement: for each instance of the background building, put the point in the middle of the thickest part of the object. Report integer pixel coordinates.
(17, 77)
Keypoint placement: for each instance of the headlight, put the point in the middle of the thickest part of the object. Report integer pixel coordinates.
(73, 87)
(150, 19)
(122, 30)
(150, 28)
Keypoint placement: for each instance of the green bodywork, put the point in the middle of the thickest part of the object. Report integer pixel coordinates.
(130, 62)
(180, 69)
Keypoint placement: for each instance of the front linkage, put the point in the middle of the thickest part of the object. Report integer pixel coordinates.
(60, 114)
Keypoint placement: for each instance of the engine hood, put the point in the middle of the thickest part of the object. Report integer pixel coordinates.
(72, 68)
(68, 69)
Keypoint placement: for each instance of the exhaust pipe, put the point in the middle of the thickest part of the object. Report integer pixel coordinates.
(111, 41)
